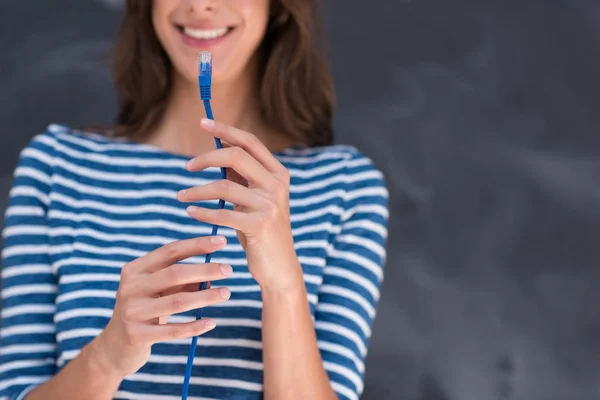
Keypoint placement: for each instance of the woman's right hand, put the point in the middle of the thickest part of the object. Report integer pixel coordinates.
(152, 288)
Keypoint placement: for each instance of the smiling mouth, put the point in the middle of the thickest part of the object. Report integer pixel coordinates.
(205, 34)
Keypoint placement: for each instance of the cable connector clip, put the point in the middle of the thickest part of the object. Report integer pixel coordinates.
(205, 74)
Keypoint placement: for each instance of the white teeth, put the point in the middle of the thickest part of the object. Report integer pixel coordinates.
(204, 33)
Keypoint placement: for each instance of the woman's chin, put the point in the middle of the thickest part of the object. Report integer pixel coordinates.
(190, 74)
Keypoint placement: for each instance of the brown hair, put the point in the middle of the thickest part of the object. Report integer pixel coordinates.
(296, 88)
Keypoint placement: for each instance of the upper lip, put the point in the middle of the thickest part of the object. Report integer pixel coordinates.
(202, 25)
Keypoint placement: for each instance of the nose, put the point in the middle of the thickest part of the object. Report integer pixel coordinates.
(200, 6)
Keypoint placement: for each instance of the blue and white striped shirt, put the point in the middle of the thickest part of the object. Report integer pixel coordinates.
(83, 205)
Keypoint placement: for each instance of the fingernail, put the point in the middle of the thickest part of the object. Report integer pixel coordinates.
(192, 209)
(181, 193)
(225, 293)
(208, 122)
(226, 269)
(209, 323)
(217, 239)
(190, 163)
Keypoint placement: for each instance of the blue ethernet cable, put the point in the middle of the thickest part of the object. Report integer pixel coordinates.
(204, 82)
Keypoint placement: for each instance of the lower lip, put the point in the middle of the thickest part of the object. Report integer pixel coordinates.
(203, 43)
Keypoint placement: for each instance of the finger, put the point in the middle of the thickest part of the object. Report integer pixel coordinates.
(223, 189)
(175, 303)
(232, 175)
(245, 140)
(189, 287)
(181, 274)
(233, 219)
(152, 334)
(236, 158)
(177, 251)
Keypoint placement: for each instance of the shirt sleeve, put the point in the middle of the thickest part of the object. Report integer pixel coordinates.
(27, 330)
(352, 277)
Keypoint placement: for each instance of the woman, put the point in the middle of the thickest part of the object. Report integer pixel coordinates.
(104, 234)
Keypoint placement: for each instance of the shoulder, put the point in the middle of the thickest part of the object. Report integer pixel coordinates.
(39, 153)
(60, 144)
(65, 137)
(49, 152)
(339, 162)
(344, 159)
(340, 174)
(60, 140)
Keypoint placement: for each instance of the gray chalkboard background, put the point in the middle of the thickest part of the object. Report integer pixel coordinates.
(484, 116)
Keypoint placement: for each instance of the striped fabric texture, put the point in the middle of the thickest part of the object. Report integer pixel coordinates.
(83, 205)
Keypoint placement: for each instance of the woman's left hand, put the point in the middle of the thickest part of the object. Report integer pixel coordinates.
(257, 185)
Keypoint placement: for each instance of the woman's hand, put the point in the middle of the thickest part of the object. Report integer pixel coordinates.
(258, 186)
(152, 288)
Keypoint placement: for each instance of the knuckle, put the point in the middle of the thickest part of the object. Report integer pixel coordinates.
(120, 296)
(251, 140)
(285, 174)
(176, 331)
(126, 270)
(277, 190)
(236, 152)
(281, 188)
(202, 242)
(220, 214)
(271, 210)
(229, 129)
(127, 289)
(176, 273)
(283, 200)
(129, 312)
(171, 250)
(222, 186)
(131, 335)
(178, 302)
(122, 293)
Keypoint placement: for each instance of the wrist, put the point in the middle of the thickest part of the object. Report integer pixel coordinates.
(287, 282)
(98, 360)
(276, 267)
(292, 288)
